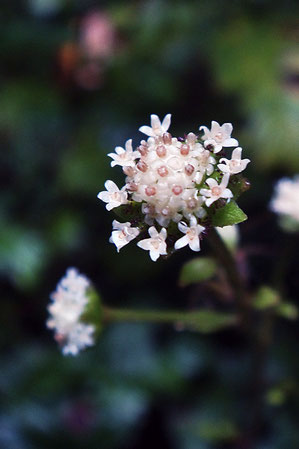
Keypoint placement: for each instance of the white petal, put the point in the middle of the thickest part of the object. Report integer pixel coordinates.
(155, 121)
(144, 244)
(104, 196)
(154, 255)
(215, 127)
(230, 143)
(183, 241)
(227, 193)
(210, 201)
(147, 130)
(163, 233)
(223, 167)
(166, 122)
(194, 244)
(153, 232)
(237, 153)
(183, 227)
(211, 182)
(227, 128)
(111, 186)
(225, 180)
(119, 150)
(128, 145)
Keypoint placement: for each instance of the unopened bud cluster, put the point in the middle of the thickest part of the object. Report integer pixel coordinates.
(173, 180)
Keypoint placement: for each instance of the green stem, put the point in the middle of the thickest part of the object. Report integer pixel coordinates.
(228, 263)
(161, 316)
(204, 321)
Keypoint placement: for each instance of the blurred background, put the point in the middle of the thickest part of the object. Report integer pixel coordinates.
(79, 77)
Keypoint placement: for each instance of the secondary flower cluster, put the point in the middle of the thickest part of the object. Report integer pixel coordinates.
(173, 180)
(68, 304)
(286, 198)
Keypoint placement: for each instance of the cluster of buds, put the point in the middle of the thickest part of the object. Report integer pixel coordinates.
(172, 185)
(68, 305)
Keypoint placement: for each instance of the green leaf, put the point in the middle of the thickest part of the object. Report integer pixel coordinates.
(228, 215)
(207, 321)
(197, 270)
(265, 298)
(287, 310)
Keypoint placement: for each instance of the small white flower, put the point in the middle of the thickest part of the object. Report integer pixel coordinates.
(236, 164)
(191, 236)
(124, 157)
(218, 136)
(156, 244)
(286, 198)
(68, 304)
(216, 190)
(113, 197)
(122, 234)
(157, 128)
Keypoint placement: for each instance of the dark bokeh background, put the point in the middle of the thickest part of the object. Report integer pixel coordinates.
(77, 79)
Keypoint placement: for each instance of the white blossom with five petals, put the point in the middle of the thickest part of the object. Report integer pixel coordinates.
(216, 190)
(122, 234)
(124, 157)
(235, 165)
(191, 236)
(157, 128)
(218, 136)
(113, 196)
(156, 244)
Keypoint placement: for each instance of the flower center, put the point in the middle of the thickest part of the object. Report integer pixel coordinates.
(150, 191)
(216, 191)
(177, 190)
(162, 171)
(191, 233)
(219, 137)
(161, 151)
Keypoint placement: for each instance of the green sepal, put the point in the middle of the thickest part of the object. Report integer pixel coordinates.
(197, 270)
(228, 215)
(93, 312)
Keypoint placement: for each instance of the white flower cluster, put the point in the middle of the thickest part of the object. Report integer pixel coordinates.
(286, 198)
(68, 304)
(173, 180)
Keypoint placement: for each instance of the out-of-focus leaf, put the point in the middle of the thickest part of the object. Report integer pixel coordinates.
(217, 431)
(265, 298)
(287, 310)
(276, 396)
(197, 270)
(228, 215)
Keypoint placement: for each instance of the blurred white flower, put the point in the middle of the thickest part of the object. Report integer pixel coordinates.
(156, 244)
(230, 235)
(216, 190)
(234, 165)
(286, 198)
(113, 197)
(68, 304)
(157, 128)
(122, 234)
(191, 236)
(218, 136)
